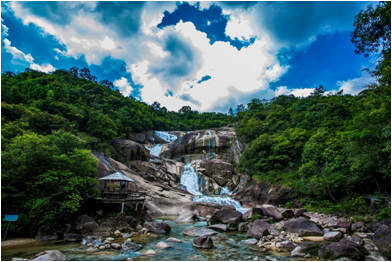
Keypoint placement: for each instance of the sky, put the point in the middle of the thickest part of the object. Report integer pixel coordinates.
(207, 55)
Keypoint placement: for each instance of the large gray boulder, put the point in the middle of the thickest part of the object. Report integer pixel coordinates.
(49, 255)
(45, 233)
(89, 228)
(340, 223)
(382, 240)
(302, 227)
(158, 228)
(204, 242)
(199, 231)
(346, 248)
(221, 227)
(81, 220)
(272, 211)
(334, 236)
(225, 215)
(254, 212)
(259, 229)
(299, 212)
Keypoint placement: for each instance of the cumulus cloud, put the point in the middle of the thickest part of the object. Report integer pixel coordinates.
(124, 86)
(356, 85)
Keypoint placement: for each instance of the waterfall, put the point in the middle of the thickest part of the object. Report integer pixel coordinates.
(209, 132)
(223, 200)
(189, 178)
(156, 150)
(238, 144)
(226, 190)
(166, 136)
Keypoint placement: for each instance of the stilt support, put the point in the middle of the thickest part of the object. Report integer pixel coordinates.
(122, 207)
(136, 206)
(143, 205)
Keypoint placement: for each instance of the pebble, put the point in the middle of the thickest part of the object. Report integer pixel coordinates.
(117, 233)
(163, 245)
(172, 239)
(102, 247)
(110, 239)
(149, 253)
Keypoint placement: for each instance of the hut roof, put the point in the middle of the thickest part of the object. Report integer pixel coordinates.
(117, 177)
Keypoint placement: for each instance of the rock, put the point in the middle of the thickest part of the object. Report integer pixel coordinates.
(346, 248)
(117, 233)
(253, 213)
(344, 259)
(89, 228)
(382, 240)
(314, 239)
(305, 248)
(72, 237)
(68, 228)
(163, 245)
(308, 256)
(325, 230)
(356, 240)
(96, 243)
(333, 236)
(81, 220)
(225, 215)
(139, 227)
(107, 246)
(272, 211)
(199, 231)
(109, 239)
(341, 223)
(270, 258)
(88, 240)
(259, 229)
(91, 249)
(214, 167)
(131, 150)
(115, 246)
(132, 222)
(126, 235)
(358, 226)
(221, 237)
(19, 259)
(158, 228)
(299, 212)
(129, 245)
(149, 253)
(302, 227)
(252, 241)
(242, 227)
(102, 247)
(187, 218)
(49, 255)
(235, 221)
(288, 244)
(287, 213)
(172, 239)
(45, 233)
(204, 242)
(219, 227)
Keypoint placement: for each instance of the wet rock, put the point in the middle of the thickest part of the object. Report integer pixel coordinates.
(272, 211)
(163, 245)
(102, 247)
(107, 246)
(96, 243)
(115, 246)
(82, 220)
(299, 212)
(253, 213)
(92, 249)
(117, 233)
(333, 236)
(199, 231)
(158, 228)
(45, 233)
(126, 235)
(109, 239)
(49, 255)
(149, 253)
(382, 239)
(305, 248)
(187, 218)
(224, 215)
(252, 241)
(72, 237)
(302, 227)
(88, 240)
(129, 245)
(172, 239)
(234, 221)
(221, 227)
(204, 242)
(358, 227)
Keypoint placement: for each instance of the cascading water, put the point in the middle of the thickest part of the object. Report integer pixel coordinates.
(166, 136)
(223, 200)
(156, 150)
(226, 190)
(238, 144)
(189, 178)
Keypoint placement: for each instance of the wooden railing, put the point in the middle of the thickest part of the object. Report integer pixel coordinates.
(117, 193)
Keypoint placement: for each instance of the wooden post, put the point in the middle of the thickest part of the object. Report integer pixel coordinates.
(122, 207)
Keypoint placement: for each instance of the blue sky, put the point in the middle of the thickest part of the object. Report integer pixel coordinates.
(207, 55)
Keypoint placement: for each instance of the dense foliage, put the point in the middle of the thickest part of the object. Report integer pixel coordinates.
(328, 145)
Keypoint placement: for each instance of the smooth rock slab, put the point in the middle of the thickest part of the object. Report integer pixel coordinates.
(314, 239)
(219, 227)
(204, 242)
(302, 227)
(199, 231)
(333, 236)
(163, 245)
(175, 240)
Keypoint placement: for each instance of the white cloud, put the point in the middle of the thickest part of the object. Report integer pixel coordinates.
(239, 27)
(299, 92)
(356, 85)
(124, 86)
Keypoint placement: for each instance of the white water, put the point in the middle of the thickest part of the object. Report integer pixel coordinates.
(189, 178)
(238, 144)
(223, 200)
(209, 132)
(166, 136)
(226, 190)
(156, 150)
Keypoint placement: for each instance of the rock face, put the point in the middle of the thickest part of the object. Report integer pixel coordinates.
(218, 170)
(272, 211)
(49, 255)
(382, 240)
(45, 233)
(158, 228)
(130, 150)
(302, 227)
(199, 231)
(204, 242)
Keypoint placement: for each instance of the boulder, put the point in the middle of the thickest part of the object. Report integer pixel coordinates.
(187, 218)
(149, 253)
(272, 211)
(382, 240)
(163, 245)
(358, 227)
(204, 242)
(224, 215)
(131, 150)
(72, 237)
(45, 233)
(287, 213)
(213, 167)
(302, 227)
(49, 255)
(356, 240)
(333, 236)
(299, 212)
(346, 248)
(259, 229)
(287, 244)
(175, 240)
(222, 227)
(252, 241)
(89, 228)
(129, 245)
(242, 227)
(115, 246)
(19, 259)
(132, 222)
(199, 231)
(253, 213)
(81, 220)
(158, 228)
(305, 248)
(88, 240)
(340, 223)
